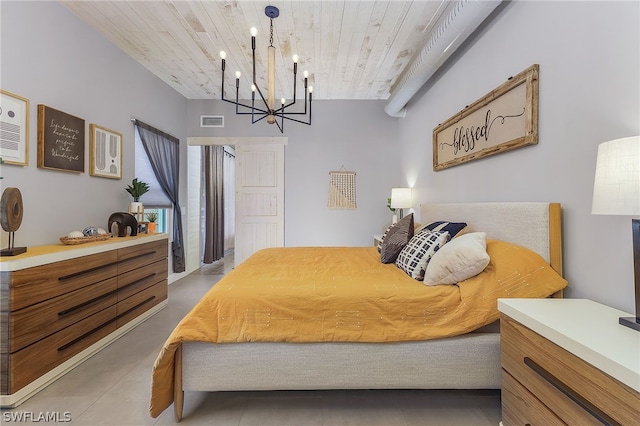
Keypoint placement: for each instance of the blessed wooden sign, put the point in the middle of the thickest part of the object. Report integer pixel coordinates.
(504, 119)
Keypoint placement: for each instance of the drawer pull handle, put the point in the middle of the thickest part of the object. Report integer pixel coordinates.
(138, 281)
(88, 302)
(149, 253)
(87, 334)
(144, 302)
(570, 393)
(86, 271)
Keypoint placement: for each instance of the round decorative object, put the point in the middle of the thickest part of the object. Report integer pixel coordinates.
(11, 209)
(101, 231)
(75, 234)
(90, 231)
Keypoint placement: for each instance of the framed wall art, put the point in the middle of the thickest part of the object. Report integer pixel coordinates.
(504, 119)
(60, 140)
(105, 152)
(14, 128)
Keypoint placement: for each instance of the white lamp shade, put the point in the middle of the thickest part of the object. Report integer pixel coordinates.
(401, 198)
(616, 189)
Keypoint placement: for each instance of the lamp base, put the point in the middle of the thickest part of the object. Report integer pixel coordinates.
(630, 322)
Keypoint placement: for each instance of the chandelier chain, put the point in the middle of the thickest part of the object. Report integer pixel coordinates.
(271, 34)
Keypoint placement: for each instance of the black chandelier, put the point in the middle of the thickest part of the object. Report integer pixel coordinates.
(269, 111)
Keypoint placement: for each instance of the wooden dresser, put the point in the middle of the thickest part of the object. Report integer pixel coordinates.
(60, 304)
(567, 361)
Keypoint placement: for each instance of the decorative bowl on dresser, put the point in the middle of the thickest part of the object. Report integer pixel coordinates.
(567, 361)
(62, 303)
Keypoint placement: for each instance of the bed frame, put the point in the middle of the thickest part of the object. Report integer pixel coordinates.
(448, 363)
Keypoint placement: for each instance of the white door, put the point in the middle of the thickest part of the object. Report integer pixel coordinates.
(259, 198)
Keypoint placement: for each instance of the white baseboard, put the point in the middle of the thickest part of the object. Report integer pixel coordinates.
(15, 399)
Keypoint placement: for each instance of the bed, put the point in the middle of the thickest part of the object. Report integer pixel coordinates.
(349, 352)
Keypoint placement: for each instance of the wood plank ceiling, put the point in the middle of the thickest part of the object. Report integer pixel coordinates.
(352, 49)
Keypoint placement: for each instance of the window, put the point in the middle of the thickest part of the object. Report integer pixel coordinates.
(155, 200)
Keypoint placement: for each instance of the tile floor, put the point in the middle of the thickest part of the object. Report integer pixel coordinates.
(112, 388)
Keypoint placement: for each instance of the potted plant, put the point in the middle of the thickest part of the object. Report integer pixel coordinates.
(394, 219)
(152, 218)
(136, 190)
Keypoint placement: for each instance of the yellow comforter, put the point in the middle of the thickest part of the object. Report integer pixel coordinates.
(336, 294)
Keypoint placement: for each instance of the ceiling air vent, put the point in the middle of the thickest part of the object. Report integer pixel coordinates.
(212, 121)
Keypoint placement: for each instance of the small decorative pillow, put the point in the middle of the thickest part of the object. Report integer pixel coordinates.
(460, 259)
(453, 228)
(396, 238)
(415, 256)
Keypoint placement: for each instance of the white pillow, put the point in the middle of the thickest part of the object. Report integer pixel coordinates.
(460, 259)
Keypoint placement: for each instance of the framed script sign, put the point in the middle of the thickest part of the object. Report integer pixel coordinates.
(60, 140)
(504, 119)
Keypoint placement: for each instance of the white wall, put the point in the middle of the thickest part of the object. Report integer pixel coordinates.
(355, 134)
(589, 56)
(51, 57)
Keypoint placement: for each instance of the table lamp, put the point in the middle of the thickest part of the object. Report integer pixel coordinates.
(616, 190)
(401, 199)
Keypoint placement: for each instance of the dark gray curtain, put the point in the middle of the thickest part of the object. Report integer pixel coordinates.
(213, 203)
(163, 151)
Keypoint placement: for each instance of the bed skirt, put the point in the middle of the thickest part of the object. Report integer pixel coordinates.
(470, 361)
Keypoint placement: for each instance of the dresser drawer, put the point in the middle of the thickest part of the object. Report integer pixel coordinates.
(130, 258)
(520, 407)
(32, 323)
(37, 359)
(574, 390)
(33, 285)
(143, 276)
(140, 302)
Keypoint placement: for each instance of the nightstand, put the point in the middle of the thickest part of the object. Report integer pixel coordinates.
(377, 239)
(567, 361)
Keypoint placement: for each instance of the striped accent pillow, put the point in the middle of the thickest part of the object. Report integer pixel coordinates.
(415, 256)
(396, 238)
(382, 239)
(453, 228)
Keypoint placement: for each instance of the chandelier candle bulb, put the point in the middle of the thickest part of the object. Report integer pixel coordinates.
(305, 73)
(254, 32)
(223, 55)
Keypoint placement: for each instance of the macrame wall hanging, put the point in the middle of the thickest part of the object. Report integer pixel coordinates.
(342, 189)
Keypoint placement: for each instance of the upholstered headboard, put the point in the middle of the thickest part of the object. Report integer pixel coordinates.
(535, 225)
